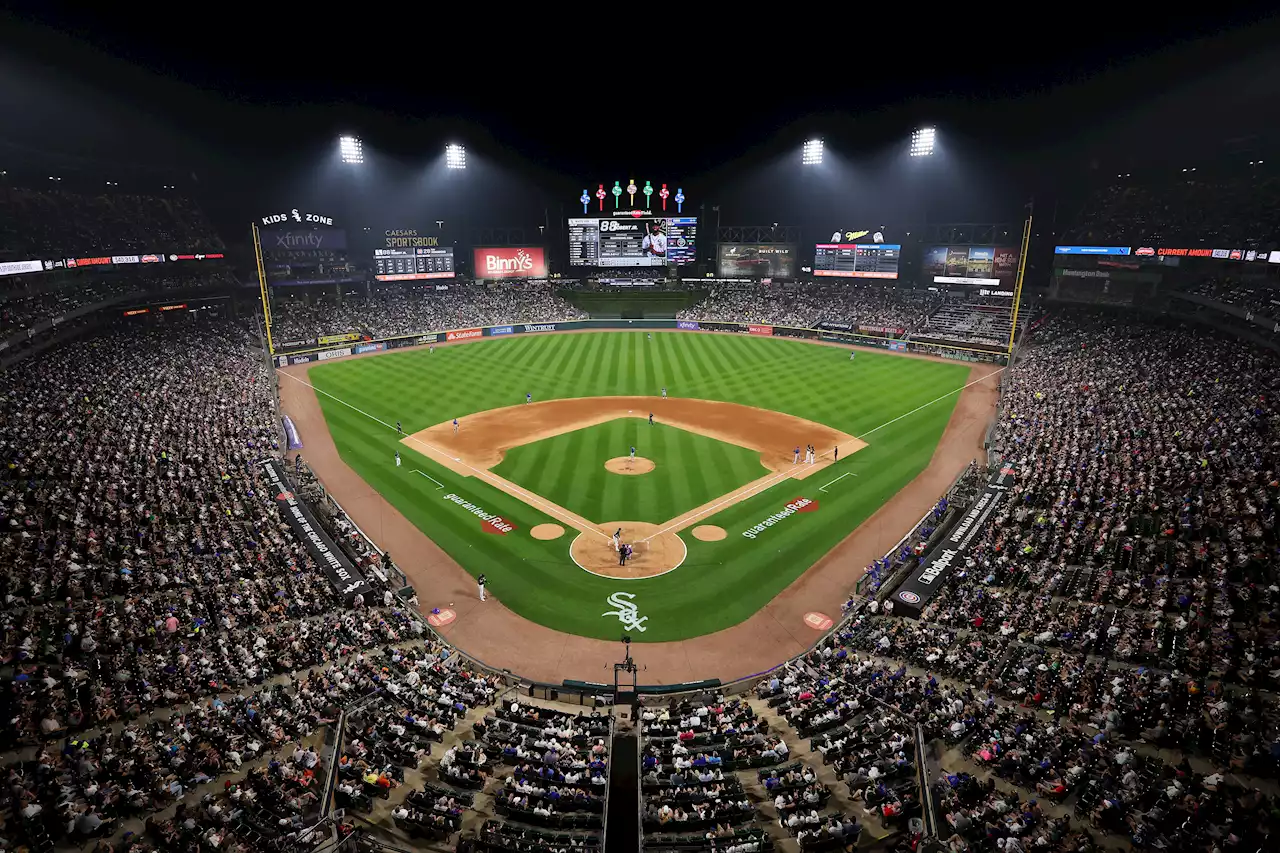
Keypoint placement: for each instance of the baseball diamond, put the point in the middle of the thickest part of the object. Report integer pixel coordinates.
(721, 448)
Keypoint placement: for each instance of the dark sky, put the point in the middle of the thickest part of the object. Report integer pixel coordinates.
(250, 92)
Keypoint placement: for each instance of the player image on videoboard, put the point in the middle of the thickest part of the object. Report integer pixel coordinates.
(654, 244)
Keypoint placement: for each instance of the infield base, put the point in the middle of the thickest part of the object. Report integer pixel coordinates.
(655, 552)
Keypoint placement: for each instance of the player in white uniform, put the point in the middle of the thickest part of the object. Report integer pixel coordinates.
(617, 538)
(397, 458)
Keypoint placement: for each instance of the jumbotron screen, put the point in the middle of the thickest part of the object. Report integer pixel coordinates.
(414, 262)
(634, 241)
(757, 260)
(857, 260)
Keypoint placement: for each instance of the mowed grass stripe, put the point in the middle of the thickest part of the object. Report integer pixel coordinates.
(569, 470)
(722, 583)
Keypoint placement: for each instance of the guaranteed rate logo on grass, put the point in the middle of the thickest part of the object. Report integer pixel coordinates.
(489, 522)
(797, 505)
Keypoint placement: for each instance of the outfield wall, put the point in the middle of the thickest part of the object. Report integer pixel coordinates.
(866, 336)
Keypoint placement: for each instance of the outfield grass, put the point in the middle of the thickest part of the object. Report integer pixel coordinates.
(721, 583)
(691, 470)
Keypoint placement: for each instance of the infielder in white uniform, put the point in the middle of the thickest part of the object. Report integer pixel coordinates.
(617, 538)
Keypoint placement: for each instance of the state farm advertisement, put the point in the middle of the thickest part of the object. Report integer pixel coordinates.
(511, 262)
(760, 330)
(463, 334)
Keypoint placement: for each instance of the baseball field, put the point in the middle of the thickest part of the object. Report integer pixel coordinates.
(719, 516)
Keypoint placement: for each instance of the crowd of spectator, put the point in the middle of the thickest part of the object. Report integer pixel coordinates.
(38, 224)
(1229, 211)
(23, 309)
(559, 765)
(406, 310)
(1259, 295)
(808, 304)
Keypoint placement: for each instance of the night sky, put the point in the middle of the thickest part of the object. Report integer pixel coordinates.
(251, 101)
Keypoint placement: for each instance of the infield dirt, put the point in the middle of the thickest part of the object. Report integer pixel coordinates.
(497, 636)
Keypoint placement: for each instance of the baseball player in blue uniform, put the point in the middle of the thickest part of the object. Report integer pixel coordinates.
(528, 398)
(633, 454)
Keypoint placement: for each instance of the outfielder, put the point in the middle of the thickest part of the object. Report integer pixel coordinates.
(851, 354)
(651, 419)
(528, 398)
(397, 458)
(664, 392)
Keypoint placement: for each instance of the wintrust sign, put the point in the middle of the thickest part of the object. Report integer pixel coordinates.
(489, 522)
(520, 262)
(539, 327)
(797, 505)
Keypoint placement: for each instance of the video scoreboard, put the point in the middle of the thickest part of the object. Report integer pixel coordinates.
(415, 262)
(857, 260)
(634, 241)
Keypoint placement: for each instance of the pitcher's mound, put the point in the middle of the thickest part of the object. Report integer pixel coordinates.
(654, 553)
(627, 465)
(546, 531)
(708, 533)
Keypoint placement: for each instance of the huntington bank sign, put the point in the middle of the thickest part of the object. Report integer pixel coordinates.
(797, 505)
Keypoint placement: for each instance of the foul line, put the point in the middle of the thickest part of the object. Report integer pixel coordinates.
(768, 482)
(439, 485)
(534, 501)
(836, 480)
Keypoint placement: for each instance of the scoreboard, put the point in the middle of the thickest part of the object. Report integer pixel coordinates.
(634, 241)
(857, 260)
(414, 262)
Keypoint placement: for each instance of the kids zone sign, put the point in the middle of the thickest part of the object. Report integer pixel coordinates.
(511, 262)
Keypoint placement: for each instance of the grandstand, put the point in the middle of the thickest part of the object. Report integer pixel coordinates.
(1076, 647)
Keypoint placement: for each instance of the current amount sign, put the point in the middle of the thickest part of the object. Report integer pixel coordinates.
(857, 260)
(634, 241)
(415, 262)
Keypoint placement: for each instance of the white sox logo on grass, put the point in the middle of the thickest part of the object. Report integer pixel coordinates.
(489, 522)
(797, 505)
(626, 611)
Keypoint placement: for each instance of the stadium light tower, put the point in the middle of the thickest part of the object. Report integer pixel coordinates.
(455, 156)
(351, 149)
(922, 141)
(811, 153)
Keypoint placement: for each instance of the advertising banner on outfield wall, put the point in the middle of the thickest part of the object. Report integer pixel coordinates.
(687, 324)
(760, 330)
(363, 348)
(299, 343)
(20, 267)
(334, 353)
(463, 334)
(301, 359)
(917, 591)
(538, 327)
(343, 576)
(497, 331)
(337, 339)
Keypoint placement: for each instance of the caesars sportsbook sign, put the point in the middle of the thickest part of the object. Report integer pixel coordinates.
(511, 262)
(918, 590)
